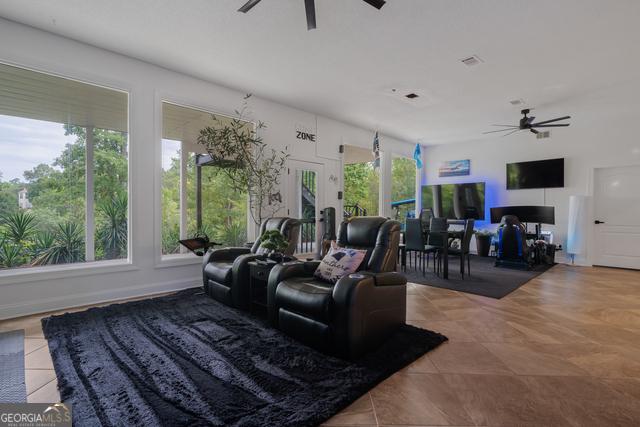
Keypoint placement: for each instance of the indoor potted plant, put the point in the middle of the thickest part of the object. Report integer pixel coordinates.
(483, 242)
(275, 242)
(251, 165)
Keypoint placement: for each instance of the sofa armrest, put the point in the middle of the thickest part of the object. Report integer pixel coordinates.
(368, 308)
(391, 278)
(224, 254)
(282, 272)
(344, 286)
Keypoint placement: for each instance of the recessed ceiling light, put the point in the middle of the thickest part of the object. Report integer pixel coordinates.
(472, 61)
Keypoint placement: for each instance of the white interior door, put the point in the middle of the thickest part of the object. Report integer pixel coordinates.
(617, 217)
(305, 202)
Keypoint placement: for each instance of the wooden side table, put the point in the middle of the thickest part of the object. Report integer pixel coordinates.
(258, 278)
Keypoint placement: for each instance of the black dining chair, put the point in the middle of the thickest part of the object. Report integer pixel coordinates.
(417, 243)
(425, 220)
(414, 241)
(463, 251)
(437, 239)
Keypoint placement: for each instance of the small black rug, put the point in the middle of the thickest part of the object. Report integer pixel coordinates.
(486, 279)
(185, 359)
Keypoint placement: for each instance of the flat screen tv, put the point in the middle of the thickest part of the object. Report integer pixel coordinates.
(536, 174)
(455, 201)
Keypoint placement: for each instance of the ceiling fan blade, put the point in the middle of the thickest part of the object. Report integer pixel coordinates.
(511, 133)
(534, 131)
(551, 126)
(501, 130)
(552, 120)
(310, 8)
(530, 119)
(376, 3)
(248, 6)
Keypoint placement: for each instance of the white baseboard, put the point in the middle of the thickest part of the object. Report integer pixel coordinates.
(69, 301)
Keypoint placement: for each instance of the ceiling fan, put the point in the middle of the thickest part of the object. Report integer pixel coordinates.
(526, 123)
(310, 8)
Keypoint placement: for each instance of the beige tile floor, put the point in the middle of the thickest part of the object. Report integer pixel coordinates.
(563, 350)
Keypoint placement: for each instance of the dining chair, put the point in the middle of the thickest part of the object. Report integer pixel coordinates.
(463, 252)
(437, 240)
(415, 243)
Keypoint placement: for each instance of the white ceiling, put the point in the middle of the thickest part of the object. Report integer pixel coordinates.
(547, 52)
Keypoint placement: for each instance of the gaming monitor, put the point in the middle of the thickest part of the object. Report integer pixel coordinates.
(530, 214)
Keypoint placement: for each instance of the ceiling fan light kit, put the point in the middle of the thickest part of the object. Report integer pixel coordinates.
(527, 123)
(310, 9)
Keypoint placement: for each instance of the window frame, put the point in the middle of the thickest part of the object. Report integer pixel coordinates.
(187, 258)
(86, 268)
(393, 156)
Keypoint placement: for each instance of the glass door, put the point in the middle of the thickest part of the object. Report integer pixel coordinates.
(305, 203)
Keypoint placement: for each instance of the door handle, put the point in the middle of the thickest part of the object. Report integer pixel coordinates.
(598, 222)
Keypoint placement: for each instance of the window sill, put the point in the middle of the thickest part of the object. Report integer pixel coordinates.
(35, 274)
(178, 260)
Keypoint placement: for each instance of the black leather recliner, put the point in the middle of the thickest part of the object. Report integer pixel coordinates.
(225, 271)
(357, 313)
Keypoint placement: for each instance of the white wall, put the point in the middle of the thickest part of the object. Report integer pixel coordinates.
(30, 290)
(603, 133)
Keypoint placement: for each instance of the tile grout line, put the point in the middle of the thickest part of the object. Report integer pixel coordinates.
(44, 385)
(36, 349)
(373, 406)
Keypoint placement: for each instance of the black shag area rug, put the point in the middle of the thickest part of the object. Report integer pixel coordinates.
(185, 359)
(486, 279)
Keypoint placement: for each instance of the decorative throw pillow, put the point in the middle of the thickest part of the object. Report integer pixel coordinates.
(338, 263)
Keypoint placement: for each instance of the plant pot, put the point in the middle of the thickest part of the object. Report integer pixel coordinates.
(483, 245)
(276, 256)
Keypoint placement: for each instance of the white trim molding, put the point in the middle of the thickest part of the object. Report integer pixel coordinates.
(63, 302)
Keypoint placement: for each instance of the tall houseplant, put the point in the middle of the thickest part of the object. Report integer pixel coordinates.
(251, 165)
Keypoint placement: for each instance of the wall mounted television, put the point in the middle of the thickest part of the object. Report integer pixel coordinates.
(536, 174)
(455, 201)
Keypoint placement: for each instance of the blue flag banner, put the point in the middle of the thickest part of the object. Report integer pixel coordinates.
(417, 156)
(376, 151)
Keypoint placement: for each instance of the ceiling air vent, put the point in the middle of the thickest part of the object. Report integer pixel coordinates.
(543, 135)
(516, 102)
(411, 95)
(472, 61)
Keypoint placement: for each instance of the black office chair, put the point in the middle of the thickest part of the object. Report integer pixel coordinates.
(463, 251)
(437, 240)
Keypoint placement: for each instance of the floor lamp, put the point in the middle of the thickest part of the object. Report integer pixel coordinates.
(577, 231)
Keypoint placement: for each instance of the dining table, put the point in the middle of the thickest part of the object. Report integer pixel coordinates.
(447, 234)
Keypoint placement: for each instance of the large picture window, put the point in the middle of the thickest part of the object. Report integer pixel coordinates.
(403, 187)
(197, 196)
(361, 182)
(63, 170)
